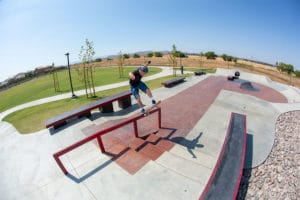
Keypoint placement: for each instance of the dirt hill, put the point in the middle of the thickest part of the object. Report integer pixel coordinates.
(202, 62)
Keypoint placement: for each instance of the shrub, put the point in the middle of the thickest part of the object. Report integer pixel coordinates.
(210, 55)
(136, 55)
(126, 56)
(149, 55)
(297, 73)
(98, 60)
(157, 54)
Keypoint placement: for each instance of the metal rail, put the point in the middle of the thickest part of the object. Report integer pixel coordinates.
(98, 135)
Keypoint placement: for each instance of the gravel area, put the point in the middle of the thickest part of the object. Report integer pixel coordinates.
(279, 176)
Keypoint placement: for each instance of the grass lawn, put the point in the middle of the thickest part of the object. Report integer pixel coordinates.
(33, 119)
(42, 87)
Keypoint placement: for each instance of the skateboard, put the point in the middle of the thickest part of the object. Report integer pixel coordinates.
(147, 111)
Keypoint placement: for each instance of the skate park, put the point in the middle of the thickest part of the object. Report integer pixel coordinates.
(175, 160)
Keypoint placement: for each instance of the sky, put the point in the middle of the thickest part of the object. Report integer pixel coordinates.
(35, 33)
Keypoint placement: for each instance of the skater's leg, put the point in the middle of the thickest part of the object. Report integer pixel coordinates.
(135, 92)
(147, 91)
(139, 101)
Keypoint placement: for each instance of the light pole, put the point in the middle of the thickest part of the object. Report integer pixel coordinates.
(73, 95)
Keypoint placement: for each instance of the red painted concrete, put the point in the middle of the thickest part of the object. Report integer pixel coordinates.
(180, 113)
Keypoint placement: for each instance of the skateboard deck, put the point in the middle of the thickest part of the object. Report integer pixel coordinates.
(147, 110)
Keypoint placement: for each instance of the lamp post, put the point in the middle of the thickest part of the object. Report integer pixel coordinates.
(73, 95)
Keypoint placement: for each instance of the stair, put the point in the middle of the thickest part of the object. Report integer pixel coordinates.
(132, 153)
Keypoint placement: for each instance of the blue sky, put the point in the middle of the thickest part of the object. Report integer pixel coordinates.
(37, 33)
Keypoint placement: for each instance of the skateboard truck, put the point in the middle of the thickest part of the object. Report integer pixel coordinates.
(147, 111)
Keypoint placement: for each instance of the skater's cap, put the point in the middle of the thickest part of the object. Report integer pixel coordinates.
(144, 69)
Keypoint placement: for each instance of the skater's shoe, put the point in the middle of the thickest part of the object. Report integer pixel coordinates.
(143, 111)
(153, 102)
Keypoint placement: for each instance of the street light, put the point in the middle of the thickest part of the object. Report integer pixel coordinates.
(73, 95)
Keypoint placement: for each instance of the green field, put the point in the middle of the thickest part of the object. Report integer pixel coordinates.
(42, 87)
(33, 119)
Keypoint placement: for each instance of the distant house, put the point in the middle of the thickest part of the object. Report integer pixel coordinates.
(3, 83)
(19, 76)
(43, 70)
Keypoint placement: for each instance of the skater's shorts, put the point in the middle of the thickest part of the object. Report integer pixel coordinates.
(135, 90)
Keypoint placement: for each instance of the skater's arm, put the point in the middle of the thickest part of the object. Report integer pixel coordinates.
(131, 76)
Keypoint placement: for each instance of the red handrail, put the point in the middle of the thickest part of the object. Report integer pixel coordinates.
(103, 132)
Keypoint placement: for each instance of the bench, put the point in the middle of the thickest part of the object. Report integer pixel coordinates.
(173, 82)
(236, 76)
(231, 78)
(226, 176)
(199, 73)
(104, 104)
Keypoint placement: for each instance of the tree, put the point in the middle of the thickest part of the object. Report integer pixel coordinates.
(228, 59)
(126, 56)
(210, 55)
(55, 78)
(201, 59)
(136, 55)
(120, 64)
(98, 60)
(288, 68)
(297, 73)
(172, 59)
(157, 54)
(150, 54)
(86, 72)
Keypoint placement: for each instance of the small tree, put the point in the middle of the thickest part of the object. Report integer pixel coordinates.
(201, 59)
(288, 68)
(55, 78)
(210, 55)
(150, 54)
(126, 56)
(120, 64)
(98, 60)
(228, 59)
(86, 73)
(172, 59)
(157, 54)
(136, 55)
(297, 73)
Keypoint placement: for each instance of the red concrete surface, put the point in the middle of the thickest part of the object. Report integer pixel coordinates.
(180, 113)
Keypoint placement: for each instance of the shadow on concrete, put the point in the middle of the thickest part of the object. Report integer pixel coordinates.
(189, 144)
(170, 130)
(69, 123)
(246, 85)
(247, 172)
(98, 168)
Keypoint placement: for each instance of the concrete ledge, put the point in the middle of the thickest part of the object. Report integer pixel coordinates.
(225, 179)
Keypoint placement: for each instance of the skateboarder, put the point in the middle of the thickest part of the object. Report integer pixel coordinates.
(136, 84)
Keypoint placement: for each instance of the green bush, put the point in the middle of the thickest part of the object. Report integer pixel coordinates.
(149, 55)
(228, 58)
(136, 55)
(126, 56)
(210, 55)
(297, 73)
(157, 54)
(98, 60)
(288, 68)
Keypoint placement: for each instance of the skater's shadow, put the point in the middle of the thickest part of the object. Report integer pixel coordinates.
(189, 144)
